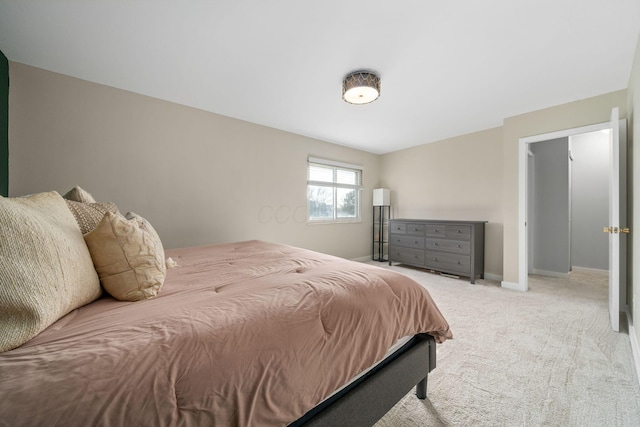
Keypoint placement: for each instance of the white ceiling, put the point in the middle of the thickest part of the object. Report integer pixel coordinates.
(447, 67)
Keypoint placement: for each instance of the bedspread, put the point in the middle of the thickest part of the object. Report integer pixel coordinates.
(249, 333)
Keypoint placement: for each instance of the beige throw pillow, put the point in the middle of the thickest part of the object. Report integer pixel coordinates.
(128, 256)
(45, 267)
(78, 194)
(88, 215)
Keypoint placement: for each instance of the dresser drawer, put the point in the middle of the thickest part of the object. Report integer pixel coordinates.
(455, 246)
(398, 228)
(436, 230)
(448, 262)
(406, 255)
(415, 229)
(459, 232)
(407, 241)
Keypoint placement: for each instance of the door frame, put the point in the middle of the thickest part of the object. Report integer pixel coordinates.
(523, 150)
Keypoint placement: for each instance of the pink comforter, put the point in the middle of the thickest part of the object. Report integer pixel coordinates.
(249, 333)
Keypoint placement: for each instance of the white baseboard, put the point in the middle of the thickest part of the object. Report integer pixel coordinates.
(513, 285)
(550, 273)
(635, 349)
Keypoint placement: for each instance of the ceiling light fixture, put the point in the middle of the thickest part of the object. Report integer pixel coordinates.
(361, 87)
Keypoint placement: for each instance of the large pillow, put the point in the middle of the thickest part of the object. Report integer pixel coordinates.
(88, 215)
(128, 256)
(78, 194)
(45, 266)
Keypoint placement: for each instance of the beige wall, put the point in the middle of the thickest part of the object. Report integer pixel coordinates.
(458, 178)
(475, 176)
(633, 135)
(204, 178)
(566, 116)
(198, 177)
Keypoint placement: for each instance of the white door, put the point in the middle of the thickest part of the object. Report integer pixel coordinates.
(614, 221)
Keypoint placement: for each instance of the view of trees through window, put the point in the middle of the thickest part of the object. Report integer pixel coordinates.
(333, 193)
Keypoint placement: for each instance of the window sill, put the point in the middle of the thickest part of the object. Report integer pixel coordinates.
(346, 221)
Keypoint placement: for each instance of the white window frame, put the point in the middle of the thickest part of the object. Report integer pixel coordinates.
(335, 185)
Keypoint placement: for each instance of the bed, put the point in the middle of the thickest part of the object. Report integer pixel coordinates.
(248, 333)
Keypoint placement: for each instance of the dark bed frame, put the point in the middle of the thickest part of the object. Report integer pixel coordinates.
(366, 400)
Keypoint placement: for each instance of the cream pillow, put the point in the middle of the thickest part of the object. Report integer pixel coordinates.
(45, 267)
(78, 194)
(128, 256)
(147, 227)
(88, 215)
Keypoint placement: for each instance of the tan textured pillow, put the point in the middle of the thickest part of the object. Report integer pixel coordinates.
(45, 267)
(78, 194)
(128, 256)
(147, 227)
(88, 215)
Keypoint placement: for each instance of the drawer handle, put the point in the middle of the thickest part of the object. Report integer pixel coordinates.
(458, 262)
(416, 242)
(459, 231)
(435, 259)
(459, 246)
(415, 229)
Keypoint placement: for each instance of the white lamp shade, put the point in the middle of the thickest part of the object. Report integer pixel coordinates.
(381, 197)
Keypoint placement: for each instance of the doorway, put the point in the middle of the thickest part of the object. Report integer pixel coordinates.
(617, 209)
(568, 204)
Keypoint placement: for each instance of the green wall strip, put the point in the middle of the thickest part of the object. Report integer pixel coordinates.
(4, 125)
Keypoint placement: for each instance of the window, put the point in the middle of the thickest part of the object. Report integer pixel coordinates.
(333, 191)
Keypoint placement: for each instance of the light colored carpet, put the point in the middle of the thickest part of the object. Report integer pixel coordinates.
(546, 357)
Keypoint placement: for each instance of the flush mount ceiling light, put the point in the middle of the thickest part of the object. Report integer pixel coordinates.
(361, 87)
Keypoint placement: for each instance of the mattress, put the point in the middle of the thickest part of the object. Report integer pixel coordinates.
(402, 341)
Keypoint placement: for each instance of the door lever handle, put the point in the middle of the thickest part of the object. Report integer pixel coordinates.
(615, 230)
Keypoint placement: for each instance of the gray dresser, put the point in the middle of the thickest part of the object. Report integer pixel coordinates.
(454, 247)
